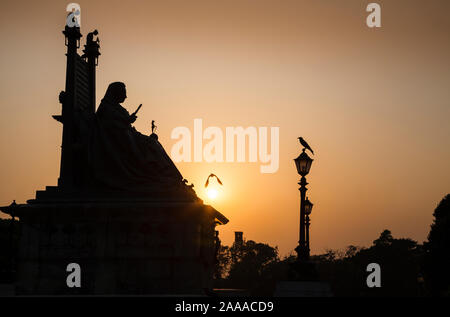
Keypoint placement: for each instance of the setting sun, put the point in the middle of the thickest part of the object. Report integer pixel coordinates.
(212, 193)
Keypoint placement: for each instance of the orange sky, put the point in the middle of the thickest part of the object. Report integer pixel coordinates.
(373, 103)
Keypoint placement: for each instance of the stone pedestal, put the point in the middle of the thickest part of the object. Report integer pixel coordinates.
(123, 247)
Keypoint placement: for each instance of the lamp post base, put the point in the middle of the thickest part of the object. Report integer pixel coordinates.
(303, 271)
(303, 282)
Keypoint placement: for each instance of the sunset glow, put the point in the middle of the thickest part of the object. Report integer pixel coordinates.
(373, 104)
(212, 193)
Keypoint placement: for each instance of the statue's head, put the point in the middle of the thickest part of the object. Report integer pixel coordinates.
(116, 92)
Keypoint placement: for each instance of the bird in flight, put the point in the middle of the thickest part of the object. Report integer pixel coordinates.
(305, 144)
(212, 175)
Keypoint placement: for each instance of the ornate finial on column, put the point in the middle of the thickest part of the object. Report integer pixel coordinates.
(72, 35)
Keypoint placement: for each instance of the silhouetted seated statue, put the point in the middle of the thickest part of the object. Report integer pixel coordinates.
(123, 158)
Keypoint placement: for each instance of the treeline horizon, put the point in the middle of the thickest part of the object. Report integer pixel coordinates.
(408, 268)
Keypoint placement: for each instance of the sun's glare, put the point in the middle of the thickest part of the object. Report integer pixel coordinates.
(212, 193)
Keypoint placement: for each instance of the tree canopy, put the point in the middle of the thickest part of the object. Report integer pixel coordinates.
(437, 262)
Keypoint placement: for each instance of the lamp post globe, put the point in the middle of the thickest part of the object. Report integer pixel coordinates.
(308, 206)
(303, 163)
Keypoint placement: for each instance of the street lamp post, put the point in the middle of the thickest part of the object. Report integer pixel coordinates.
(308, 251)
(303, 269)
(308, 209)
(303, 164)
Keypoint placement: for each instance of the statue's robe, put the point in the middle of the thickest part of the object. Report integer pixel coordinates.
(125, 159)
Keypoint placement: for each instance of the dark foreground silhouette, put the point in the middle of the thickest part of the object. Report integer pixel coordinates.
(407, 267)
(121, 211)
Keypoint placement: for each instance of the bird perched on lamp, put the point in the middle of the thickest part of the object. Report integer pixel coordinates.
(305, 144)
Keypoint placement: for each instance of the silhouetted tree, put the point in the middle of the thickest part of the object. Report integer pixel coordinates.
(250, 265)
(399, 260)
(437, 260)
(223, 262)
(351, 251)
(257, 267)
(385, 239)
(248, 261)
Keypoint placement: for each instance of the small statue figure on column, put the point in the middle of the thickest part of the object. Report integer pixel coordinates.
(153, 126)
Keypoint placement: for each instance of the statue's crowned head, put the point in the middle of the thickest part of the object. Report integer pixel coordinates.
(116, 92)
